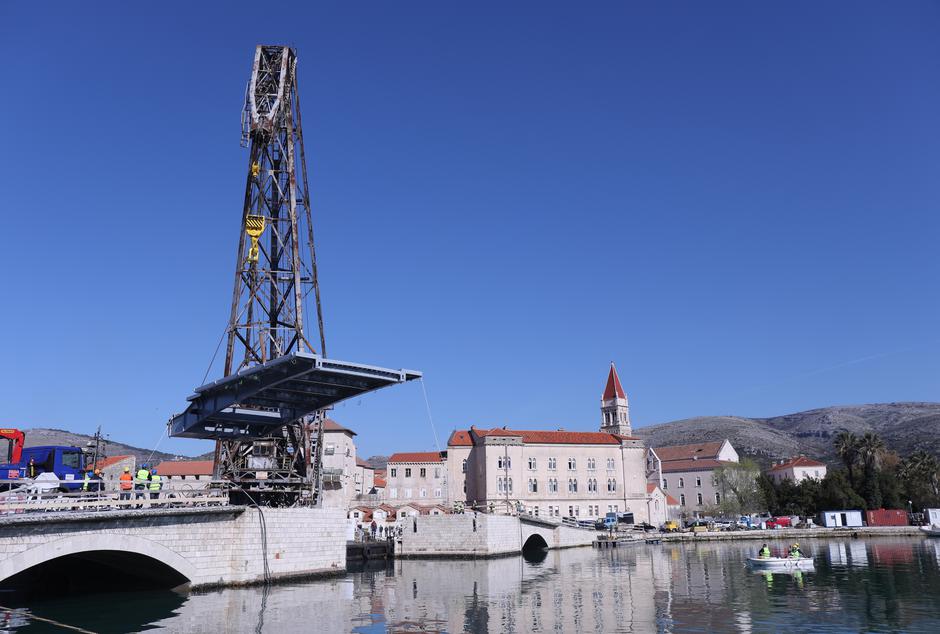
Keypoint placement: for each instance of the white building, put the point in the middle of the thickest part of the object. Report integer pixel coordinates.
(419, 477)
(687, 472)
(554, 473)
(796, 470)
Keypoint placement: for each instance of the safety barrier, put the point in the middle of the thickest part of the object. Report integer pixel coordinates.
(29, 498)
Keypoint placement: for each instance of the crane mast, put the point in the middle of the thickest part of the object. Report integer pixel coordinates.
(275, 273)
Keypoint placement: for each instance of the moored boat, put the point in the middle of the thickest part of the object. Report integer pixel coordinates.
(781, 563)
(931, 531)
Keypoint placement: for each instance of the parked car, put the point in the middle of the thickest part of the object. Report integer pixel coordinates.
(643, 526)
(722, 525)
(586, 523)
(697, 526)
(783, 522)
(671, 526)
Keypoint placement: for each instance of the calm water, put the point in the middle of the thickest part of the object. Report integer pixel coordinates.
(879, 585)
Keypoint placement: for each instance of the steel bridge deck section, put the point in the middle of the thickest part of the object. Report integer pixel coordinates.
(264, 397)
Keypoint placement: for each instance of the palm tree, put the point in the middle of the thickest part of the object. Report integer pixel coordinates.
(871, 448)
(846, 445)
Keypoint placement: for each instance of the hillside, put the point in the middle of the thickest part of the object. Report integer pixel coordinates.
(41, 436)
(904, 427)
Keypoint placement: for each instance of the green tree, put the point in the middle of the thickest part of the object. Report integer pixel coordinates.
(836, 493)
(846, 446)
(919, 474)
(738, 484)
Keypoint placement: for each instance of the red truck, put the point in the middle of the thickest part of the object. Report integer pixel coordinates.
(783, 522)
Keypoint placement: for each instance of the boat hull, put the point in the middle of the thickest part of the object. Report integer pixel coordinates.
(930, 531)
(781, 563)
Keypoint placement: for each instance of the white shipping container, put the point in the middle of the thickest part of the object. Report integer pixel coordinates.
(933, 517)
(833, 519)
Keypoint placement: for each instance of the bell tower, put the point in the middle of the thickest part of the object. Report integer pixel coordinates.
(615, 409)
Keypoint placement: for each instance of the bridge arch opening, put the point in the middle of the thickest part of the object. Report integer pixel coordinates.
(92, 572)
(535, 548)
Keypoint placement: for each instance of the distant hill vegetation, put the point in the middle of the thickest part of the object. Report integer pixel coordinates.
(904, 427)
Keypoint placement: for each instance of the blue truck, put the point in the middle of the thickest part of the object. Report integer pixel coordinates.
(67, 463)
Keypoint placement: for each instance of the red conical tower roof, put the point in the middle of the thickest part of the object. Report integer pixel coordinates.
(613, 389)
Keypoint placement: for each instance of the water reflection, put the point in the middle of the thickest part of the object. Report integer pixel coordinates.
(858, 585)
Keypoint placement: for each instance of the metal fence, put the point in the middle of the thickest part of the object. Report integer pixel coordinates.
(31, 497)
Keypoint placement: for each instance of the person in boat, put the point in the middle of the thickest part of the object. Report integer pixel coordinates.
(764, 552)
(795, 552)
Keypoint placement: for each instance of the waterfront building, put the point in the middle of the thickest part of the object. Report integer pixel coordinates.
(365, 482)
(339, 472)
(662, 506)
(417, 477)
(796, 470)
(687, 472)
(185, 474)
(558, 473)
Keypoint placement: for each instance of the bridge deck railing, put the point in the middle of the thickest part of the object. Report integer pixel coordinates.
(18, 497)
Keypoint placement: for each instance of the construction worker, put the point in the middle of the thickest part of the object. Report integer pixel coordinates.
(155, 485)
(97, 482)
(127, 483)
(86, 481)
(141, 481)
(764, 552)
(31, 470)
(795, 551)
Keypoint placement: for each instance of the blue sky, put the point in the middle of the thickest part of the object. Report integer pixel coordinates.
(735, 202)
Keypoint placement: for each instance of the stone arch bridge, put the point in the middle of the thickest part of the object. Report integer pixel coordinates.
(173, 547)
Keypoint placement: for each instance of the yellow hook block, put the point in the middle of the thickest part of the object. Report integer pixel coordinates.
(255, 169)
(254, 227)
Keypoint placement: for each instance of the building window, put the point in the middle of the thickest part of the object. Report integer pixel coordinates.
(717, 498)
(437, 493)
(570, 511)
(682, 499)
(817, 473)
(500, 485)
(510, 484)
(531, 464)
(394, 472)
(612, 484)
(393, 493)
(681, 483)
(551, 510)
(610, 464)
(437, 473)
(552, 464)
(408, 493)
(504, 462)
(572, 485)
(572, 464)
(424, 493)
(533, 485)
(535, 511)
(699, 497)
(463, 467)
(665, 484)
(552, 485)
(424, 472)
(408, 473)
(590, 464)
(698, 482)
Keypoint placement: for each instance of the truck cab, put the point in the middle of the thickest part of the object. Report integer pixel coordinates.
(68, 463)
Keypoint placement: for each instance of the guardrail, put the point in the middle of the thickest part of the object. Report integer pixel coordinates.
(32, 497)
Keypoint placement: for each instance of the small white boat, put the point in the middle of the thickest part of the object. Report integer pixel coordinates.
(781, 563)
(931, 531)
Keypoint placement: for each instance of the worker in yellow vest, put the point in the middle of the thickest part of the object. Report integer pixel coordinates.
(155, 485)
(141, 480)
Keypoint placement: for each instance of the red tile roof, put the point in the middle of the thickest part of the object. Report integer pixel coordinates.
(331, 425)
(650, 487)
(379, 482)
(799, 461)
(613, 389)
(417, 456)
(560, 437)
(705, 464)
(107, 462)
(184, 467)
(671, 501)
(459, 438)
(362, 463)
(688, 452)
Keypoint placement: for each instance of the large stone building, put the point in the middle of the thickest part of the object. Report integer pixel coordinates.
(419, 477)
(687, 472)
(340, 470)
(554, 473)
